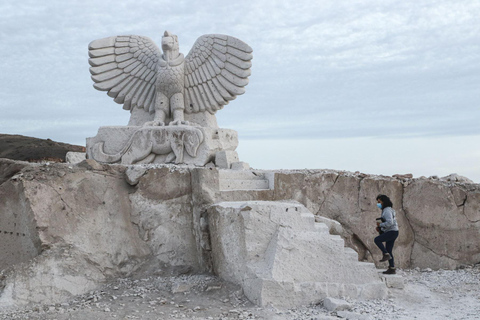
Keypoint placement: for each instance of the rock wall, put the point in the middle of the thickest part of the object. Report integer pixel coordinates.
(78, 225)
(439, 220)
(446, 227)
(162, 209)
(19, 239)
(79, 211)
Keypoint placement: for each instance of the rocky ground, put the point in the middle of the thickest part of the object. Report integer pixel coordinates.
(167, 293)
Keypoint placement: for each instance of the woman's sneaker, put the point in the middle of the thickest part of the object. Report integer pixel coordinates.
(386, 257)
(390, 271)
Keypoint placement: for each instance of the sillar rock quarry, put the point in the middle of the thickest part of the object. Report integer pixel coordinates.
(170, 186)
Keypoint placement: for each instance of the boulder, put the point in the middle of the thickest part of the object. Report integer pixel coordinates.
(66, 227)
(75, 157)
(332, 304)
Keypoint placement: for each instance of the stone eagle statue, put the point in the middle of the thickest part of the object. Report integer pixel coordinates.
(136, 74)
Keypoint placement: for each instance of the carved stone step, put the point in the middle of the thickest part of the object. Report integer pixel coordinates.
(321, 227)
(392, 280)
(362, 265)
(351, 254)
(231, 184)
(275, 251)
(308, 217)
(240, 175)
(337, 239)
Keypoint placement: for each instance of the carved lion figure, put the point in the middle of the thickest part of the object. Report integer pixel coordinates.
(147, 142)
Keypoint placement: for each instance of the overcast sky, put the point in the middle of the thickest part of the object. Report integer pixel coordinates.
(377, 86)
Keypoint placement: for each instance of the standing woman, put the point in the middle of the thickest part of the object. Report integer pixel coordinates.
(389, 234)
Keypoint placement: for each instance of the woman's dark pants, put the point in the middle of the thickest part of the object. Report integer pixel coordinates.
(389, 239)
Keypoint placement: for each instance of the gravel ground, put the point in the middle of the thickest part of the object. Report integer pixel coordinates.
(443, 294)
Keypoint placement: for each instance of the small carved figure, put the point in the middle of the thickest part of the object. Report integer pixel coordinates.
(147, 142)
(136, 74)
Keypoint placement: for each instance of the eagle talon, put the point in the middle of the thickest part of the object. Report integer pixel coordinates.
(179, 122)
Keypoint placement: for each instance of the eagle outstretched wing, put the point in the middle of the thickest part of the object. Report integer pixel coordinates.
(216, 71)
(125, 66)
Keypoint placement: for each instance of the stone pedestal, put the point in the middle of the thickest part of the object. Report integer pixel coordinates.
(182, 144)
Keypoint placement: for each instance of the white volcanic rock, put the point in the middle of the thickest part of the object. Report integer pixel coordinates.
(54, 206)
(224, 159)
(191, 145)
(332, 304)
(281, 257)
(106, 220)
(75, 157)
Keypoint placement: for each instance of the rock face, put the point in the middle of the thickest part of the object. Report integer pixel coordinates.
(79, 224)
(451, 218)
(162, 210)
(435, 230)
(77, 220)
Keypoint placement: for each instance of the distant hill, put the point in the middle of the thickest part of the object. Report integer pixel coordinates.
(17, 147)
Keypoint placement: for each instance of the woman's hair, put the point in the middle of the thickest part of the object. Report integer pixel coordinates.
(385, 201)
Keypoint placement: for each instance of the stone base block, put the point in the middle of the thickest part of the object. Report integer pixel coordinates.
(225, 158)
(181, 144)
(240, 166)
(393, 281)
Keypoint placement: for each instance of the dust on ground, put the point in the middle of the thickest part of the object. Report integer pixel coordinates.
(177, 293)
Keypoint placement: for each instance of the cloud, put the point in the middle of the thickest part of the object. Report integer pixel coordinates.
(321, 69)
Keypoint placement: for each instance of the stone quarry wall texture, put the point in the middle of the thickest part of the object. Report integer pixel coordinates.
(74, 221)
(439, 220)
(75, 225)
(162, 209)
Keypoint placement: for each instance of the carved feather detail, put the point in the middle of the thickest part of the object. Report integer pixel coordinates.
(122, 65)
(216, 70)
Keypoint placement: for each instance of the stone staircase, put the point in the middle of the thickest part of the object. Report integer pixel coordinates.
(280, 256)
(243, 180)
